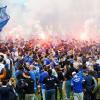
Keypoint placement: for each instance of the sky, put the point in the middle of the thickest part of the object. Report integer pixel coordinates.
(63, 18)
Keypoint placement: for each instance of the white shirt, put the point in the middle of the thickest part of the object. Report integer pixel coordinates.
(98, 61)
(89, 63)
(1, 66)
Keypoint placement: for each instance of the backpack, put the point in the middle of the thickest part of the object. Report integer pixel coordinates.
(20, 86)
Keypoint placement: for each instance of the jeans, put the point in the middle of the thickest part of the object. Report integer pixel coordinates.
(43, 94)
(60, 91)
(29, 96)
(21, 96)
(68, 88)
(89, 96)
(50, 94)
(78, 96)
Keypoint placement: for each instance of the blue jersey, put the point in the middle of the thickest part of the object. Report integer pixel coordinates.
(46, 61)
(76, 83)
(43, 75)
(32, 74)
(19, 74)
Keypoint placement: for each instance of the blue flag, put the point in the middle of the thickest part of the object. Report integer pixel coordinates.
(4, 18)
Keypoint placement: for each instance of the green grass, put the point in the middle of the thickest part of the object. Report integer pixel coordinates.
(58, 96)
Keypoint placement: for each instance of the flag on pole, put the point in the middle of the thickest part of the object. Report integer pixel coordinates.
(4, 17)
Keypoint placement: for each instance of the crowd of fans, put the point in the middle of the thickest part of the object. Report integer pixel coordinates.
(69, 70)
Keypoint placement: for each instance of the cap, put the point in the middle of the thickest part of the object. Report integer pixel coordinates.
(73, 73)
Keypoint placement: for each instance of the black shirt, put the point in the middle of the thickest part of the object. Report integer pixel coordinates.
(6, 93)
(50, 82)
(68, 75)
(60, 76)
